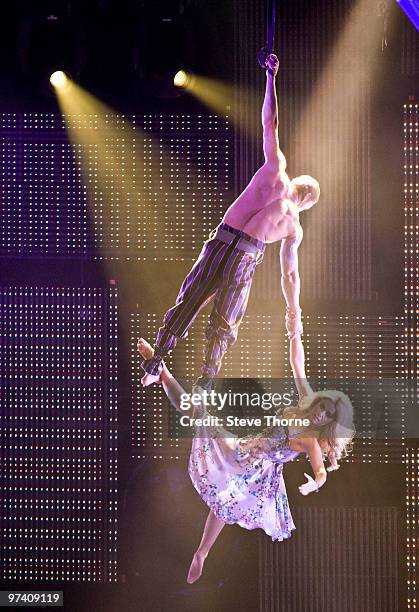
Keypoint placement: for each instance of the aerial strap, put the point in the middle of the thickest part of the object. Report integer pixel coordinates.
(270, 33)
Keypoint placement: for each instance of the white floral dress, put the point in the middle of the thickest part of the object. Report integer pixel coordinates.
(241, 480)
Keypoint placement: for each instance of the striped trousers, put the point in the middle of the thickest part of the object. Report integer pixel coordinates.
(223, 272)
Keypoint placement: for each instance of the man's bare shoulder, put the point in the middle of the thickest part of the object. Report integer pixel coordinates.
(271, 174)
(267, 184)
(295, 236)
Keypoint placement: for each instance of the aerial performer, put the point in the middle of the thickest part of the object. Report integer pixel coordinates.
(241, 479)
(266, 211)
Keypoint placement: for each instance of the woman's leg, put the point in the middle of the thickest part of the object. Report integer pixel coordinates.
(212, 529)
(213, 525)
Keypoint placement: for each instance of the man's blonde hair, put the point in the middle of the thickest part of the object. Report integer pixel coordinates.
(305, 184)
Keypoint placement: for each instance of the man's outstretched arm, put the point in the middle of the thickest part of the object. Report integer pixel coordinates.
(290, 283)
(290, 277)
(273, 154)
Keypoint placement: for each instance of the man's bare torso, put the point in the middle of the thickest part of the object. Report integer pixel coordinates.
(263, 210)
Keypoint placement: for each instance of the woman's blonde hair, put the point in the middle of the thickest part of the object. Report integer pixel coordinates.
(335, 438)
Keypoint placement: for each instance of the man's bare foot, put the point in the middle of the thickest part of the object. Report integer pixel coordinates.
(145, 349)
(195, 570)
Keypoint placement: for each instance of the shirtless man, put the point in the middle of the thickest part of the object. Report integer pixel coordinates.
(266, 211)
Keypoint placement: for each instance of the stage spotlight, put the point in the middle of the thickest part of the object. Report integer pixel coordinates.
(46, 42)
(178, 43)
(181, 79)
(58, 79)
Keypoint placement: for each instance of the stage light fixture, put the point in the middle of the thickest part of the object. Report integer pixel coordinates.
(48, 43)
(165, 74)
(58, 79)
(181, 79)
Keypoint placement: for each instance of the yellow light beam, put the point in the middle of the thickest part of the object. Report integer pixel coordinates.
(343, 87)
(221, 97)
(328, 134)
(130, 189)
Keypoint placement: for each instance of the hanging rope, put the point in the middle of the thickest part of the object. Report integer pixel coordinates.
(270, 34)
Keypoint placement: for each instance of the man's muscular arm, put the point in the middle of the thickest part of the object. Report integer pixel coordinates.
(290, 277)
(273, 155)
(290, 282)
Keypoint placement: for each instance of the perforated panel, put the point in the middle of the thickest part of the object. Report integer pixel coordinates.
(58, 459)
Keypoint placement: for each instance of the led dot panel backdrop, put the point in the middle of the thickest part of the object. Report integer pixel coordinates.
(412, 516)
(411, 232)
(58, 345)
(411, 210)
(58, 453)
(354, 565)
(343, 351)
(143, 187)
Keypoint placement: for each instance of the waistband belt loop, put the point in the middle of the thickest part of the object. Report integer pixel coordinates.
(242, 244)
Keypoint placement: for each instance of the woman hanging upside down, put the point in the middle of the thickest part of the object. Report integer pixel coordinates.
(240, 479)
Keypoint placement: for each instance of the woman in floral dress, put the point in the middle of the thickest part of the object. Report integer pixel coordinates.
(240, 479)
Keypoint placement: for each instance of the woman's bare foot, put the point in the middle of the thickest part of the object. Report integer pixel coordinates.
(146, 350)
(195, 570)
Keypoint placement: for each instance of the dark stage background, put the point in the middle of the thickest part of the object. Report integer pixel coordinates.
(96, 499)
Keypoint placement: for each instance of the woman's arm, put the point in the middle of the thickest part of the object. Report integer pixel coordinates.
(315, 455)
(297, 360)
(175, 391)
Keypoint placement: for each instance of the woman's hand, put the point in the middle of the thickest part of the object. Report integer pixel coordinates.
(334, 465)
(308, 487)
(293, 322)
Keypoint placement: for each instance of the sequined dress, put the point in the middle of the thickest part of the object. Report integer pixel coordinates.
(241, 480)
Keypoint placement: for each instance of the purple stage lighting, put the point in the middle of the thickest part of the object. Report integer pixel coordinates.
(411, 8)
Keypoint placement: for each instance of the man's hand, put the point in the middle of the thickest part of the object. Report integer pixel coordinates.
(272, 64)
(293, 322)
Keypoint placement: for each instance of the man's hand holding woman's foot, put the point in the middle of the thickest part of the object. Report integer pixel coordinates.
(149, 379)
(147, 352)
